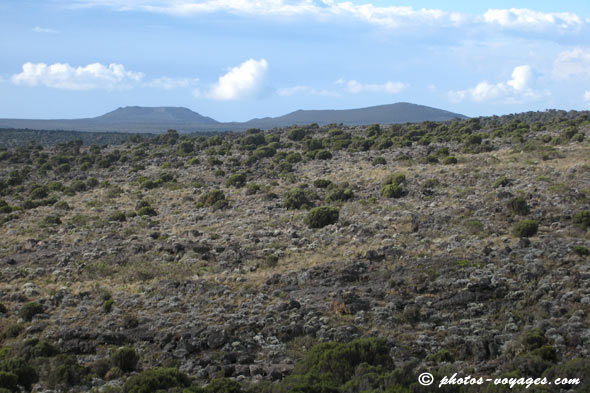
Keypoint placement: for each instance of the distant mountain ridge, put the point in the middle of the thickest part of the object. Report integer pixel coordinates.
(161, 114)
(159, 119)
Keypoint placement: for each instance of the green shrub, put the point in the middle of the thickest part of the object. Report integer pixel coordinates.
(526, 228)
(581, 250)
(147, 211)
(444, 355)
(339, 194)
(450, 160)
(252, 188)
(379, 161)
(236, 180)
(125, 358)
(154, 379)
(518, 205)
(62, 205)
(319, 217)
(78, 186)
(293, 158)
(296, 134)
(328, 366)
(13, 330)
(473, 139)
(222, 385)
(65, 372)
(395, 178)
(582, 219)
(321, 183)
(392, 191)
(194, 161)
(39, 192)
(323, 155)
(3, 309)
(107, 306)
(44, 349)
(117, 216)
(295, 198)
(8, 381)
(26, 374)
(29, 310)
(502, 181)
(212, 197)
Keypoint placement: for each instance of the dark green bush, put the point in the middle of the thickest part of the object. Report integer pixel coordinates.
(147, 211)
(29, 310)
(319, 217)
(392, 191)
(395, 178)
(518, 205)
(526, 228)
(296, 134)
(502, 181)
(44, 349)
(323, 155)
(379, 161)
(3, 309)
(321, 183)
(25, 373)
(581, 251)
(125, 358)
(150, 381)
(295, 198)
(582, 219)
(107, 306)
(65, 372)
(8, 381)
(252, 188)
(39, 192)
(450, 160)
(329, 366)
(339, 194)
(236, 180)
(211, 198)
(117, 216)
(78, 186)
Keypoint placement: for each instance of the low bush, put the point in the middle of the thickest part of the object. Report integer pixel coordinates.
(518, 205)
(155, 379)
(582, 219)
(236, 180)
(319, 217)
(526, 228)
(125, 358)
(29, 310)
(296, 198)
(392, 191)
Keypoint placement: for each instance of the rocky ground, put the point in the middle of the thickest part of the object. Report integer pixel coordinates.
(243, 286)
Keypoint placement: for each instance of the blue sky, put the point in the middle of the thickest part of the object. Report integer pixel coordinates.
(240, 59)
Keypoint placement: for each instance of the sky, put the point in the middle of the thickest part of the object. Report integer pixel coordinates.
(235, 60)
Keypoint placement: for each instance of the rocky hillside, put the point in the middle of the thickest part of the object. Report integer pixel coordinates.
(309, 259)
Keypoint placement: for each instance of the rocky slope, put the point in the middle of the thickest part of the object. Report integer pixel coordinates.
(464, 245)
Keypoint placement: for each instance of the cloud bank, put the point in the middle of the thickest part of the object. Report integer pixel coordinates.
(517, 87)
(384, 16)
(64, 76)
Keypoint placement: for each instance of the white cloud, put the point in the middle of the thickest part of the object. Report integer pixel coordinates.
(355, 87)
(45, 30)
(168, 83)
(384, 16)
(587, 97)
(572, 63)
(289, 91)
(64, 76)
(243, 81)
(525, 19)
(518, 87)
